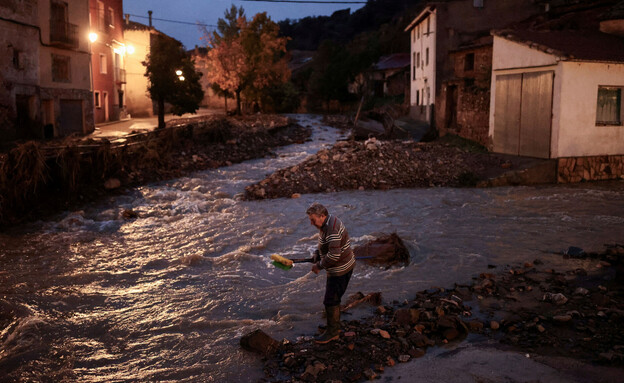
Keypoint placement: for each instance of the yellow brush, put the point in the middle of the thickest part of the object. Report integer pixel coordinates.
(281, 260)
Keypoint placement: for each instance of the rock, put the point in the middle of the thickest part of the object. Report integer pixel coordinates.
(295, 195)
(112, 183)
(420, 340)
(386, 250)
(370, 374)
(558, 298)
(258, 341)
(562, 318)
(384, 334)
(450, 334)
(404, 358)
(574, 251)
(494, 325)
(315, 369)
(475, 326)
(540, 328)
(129, 214)
(416, 352)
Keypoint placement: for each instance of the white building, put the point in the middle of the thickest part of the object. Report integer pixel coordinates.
(423, 69)
(559, 95)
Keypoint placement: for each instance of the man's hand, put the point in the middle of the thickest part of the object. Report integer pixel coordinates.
(316, 257)
(315, 269)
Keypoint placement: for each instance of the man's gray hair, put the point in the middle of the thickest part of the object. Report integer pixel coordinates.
(317, 209)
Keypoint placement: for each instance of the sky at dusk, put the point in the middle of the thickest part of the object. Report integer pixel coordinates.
(209, 11)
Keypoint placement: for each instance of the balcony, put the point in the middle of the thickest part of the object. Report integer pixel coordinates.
(63, 34)
(120, 76)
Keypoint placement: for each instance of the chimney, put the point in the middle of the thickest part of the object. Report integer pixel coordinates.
(127, 19)
(150, 18)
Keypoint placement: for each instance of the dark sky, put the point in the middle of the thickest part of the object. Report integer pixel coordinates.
(209, 11)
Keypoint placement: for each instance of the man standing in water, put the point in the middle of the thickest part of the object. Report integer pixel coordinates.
(335, 256)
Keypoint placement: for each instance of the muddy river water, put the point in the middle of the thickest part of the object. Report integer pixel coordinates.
(167, 296)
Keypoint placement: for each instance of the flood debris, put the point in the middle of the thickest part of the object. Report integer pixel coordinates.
(506, 305)
(44, 178)
(379, 164)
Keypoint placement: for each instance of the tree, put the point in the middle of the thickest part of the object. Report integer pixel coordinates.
(172, 78)
(246, 57)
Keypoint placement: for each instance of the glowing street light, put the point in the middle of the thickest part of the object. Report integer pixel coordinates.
(181, 78)
(93, 37)
(130, 49)
(178, 72)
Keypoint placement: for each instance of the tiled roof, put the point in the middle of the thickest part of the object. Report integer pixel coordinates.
(395, 61)
(570, 45)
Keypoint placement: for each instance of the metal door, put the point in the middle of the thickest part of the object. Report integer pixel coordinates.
(523, 114)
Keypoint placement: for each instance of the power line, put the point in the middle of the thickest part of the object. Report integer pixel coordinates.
(174, 21)
(308, 1)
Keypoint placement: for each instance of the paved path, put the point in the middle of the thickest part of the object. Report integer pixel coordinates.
(121, 128)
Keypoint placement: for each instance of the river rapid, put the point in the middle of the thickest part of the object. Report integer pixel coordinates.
(167, 296)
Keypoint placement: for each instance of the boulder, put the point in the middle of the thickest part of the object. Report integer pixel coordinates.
(387, 250)
(258, 341)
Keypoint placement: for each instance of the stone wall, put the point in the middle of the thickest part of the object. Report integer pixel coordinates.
(577, 169)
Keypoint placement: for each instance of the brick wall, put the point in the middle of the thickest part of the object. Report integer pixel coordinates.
(577, 169)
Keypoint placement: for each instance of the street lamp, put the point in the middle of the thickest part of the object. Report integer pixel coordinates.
(178, 72)
(93, 37)
(130, 49)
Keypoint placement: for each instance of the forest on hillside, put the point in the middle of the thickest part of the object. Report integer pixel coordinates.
(347, 44)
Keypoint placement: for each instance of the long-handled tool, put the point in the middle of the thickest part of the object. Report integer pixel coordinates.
(287, 264)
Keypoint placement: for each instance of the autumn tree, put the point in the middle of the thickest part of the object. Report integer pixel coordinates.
(247, 58)
(172, 78)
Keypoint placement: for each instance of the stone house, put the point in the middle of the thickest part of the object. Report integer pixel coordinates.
(108, 52)
(443, 27)
(558, 95)
(390, 75)
(45, 69)
(465, 97)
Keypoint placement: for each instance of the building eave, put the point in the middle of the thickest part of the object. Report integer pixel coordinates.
(421, 16)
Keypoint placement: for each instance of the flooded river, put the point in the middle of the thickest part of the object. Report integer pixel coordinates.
(167, 296)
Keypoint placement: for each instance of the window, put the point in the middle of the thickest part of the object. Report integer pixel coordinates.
(427, 57)
(60, 68)
(17, 59)
(418, 60)
(428, 26)
(111, 18)
(417, 97)
(414, 63)
(418, 32)
(469, 62)
(96, 99)
(609, 108)
(103, 64)
(477, 3)
(101, 16)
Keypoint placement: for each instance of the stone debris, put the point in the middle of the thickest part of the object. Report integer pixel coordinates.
(379, 164)
(588, 327)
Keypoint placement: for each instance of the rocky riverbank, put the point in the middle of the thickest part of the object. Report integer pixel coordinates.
(575, 311)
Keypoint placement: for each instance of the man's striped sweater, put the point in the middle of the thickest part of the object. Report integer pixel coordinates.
(337, 258)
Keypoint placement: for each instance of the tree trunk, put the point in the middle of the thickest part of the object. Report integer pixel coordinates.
(238, 103)
(161, 112)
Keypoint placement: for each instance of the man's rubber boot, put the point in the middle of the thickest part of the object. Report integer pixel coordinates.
(333, 325)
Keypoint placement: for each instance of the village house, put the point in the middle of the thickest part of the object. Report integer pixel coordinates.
(390, 75)
(108, 52)
(441, 28)
(558, 94)
(138, 38)
(45, 69)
